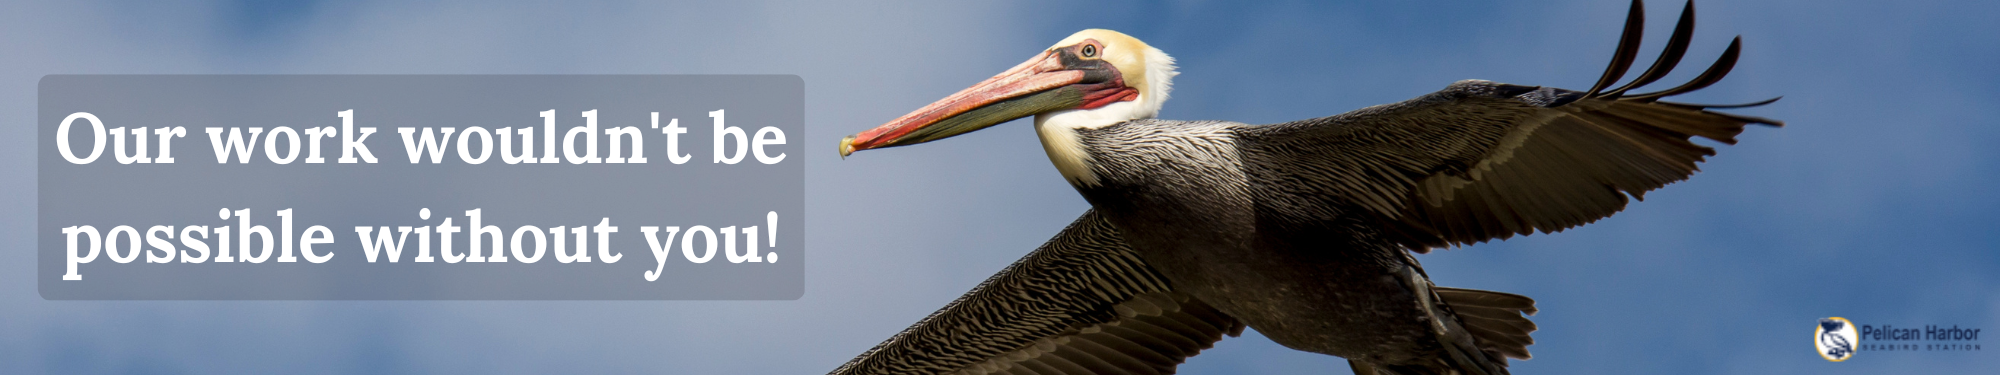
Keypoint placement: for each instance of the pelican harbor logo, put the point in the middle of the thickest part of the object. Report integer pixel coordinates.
(1835, 338)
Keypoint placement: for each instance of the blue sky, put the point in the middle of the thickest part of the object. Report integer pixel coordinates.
(1874, 203)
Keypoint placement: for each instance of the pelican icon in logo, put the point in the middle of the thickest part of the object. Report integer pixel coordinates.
(1835, 339)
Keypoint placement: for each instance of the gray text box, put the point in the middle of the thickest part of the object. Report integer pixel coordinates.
(105, 194)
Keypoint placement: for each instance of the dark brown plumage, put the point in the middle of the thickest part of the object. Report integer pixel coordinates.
(1083, 303)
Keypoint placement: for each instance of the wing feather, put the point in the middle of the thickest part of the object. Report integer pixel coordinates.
(1481, 160)
(1083, 303)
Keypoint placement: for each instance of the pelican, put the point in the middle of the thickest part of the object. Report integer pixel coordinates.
(1303, 230)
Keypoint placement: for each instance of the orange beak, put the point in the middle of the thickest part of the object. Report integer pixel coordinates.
(1042, 84)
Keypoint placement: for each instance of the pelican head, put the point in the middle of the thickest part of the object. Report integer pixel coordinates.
(1093, 78)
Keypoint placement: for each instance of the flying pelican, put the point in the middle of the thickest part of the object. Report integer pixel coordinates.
(1303, 230)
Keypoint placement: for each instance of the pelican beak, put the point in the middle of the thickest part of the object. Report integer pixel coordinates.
(1051, 81)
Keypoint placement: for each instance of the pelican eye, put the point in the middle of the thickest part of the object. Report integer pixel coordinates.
(1089, 50)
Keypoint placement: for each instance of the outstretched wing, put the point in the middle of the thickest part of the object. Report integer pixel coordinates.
(1483, 160)
(1083, 303)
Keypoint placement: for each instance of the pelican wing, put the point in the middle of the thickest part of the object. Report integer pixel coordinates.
(1083, 303)
(1483, 160)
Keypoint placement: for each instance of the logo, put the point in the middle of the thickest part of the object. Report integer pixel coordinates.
(1835, 339)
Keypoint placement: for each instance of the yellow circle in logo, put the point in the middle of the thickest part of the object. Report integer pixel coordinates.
(1836, 338)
